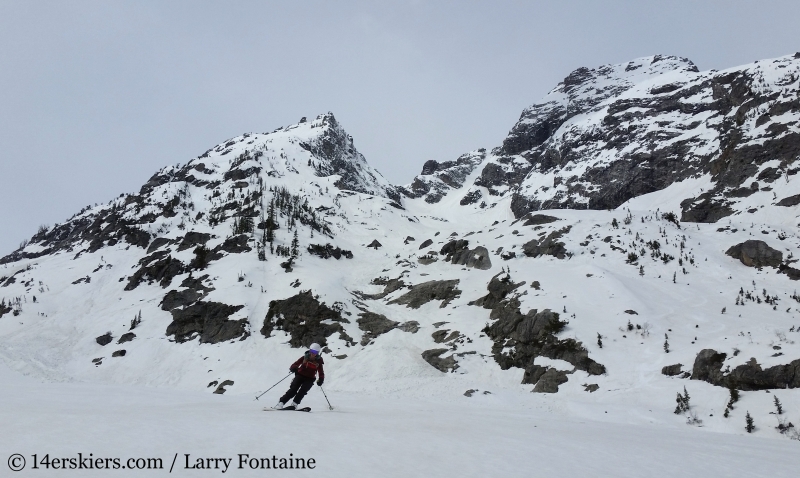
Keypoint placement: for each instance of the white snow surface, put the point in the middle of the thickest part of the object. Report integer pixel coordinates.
(488, 435)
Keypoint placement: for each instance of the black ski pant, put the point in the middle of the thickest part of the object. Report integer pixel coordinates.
(298, 389)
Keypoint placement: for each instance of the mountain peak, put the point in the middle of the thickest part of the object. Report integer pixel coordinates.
(622, 74)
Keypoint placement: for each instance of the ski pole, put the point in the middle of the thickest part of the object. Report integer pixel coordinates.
(330, 407)
(270, 388)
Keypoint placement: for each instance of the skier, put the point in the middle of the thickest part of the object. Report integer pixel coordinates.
(305, 370)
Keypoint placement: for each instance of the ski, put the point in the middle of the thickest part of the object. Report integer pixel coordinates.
(304, 409)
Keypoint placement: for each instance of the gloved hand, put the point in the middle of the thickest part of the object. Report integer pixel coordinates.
(319, 382)
(293, 369)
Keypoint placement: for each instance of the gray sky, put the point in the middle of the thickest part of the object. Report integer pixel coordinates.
(95, 96)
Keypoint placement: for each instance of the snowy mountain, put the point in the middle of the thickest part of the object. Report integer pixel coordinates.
(633, 235)
(607, 135)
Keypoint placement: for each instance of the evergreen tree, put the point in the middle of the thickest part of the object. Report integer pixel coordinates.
(778, 405)
(271, 224)
(686, 396)
(295, 245)
(750, 426)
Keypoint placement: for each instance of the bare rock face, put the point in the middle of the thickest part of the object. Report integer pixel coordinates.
(127, 337)
(412, 326)
(789, 201)
(327, 251)
(158, 267)
(305, 319)
(433, 357)
(529, 335)
(445, 335)
(420, 294)
(477, 258)
(791, 272)
(547, 246)
(194, 291)
(538, 219)
(337, 155)
(533, 373)
(374, 325)
(550, 380)
(499, 287)
(389, 286)
(208, 321)
(159, 243)
(754, 253)
(458, 252)
(193, 239)
(233, 245)
(708, 366)
(104, 339)
(438, 179)
(221, 387)
(749, 376)
(671, 370)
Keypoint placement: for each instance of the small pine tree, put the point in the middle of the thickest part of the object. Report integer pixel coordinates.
(295, 245)
(666, 346)
(750, 425)
(686, 397)
(674, 275)
(136, 320)
(778, 405)
(734, 398)
(682, 402)
(599, 340)
(641, 271)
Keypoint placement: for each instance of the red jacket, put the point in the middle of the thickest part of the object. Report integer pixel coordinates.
(309, 367)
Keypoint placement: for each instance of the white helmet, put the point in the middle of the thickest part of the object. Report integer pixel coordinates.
(315, 347)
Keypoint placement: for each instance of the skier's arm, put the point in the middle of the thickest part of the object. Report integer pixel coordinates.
(296, 365)
(321, 373)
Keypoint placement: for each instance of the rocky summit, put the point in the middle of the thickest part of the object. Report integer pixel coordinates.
(632, 237)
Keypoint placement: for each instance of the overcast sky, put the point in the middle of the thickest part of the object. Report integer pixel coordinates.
(95, 96)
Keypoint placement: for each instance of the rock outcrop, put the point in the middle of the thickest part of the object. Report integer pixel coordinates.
(374, 325)
(754, 253)
(458, 252)
(208, 321)
(748, 376)
(520, 338)
(305, 319)
(547, 246)
(433, 357)
(421, 294)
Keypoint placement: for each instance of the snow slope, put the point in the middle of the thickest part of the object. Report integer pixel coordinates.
(360, 437)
